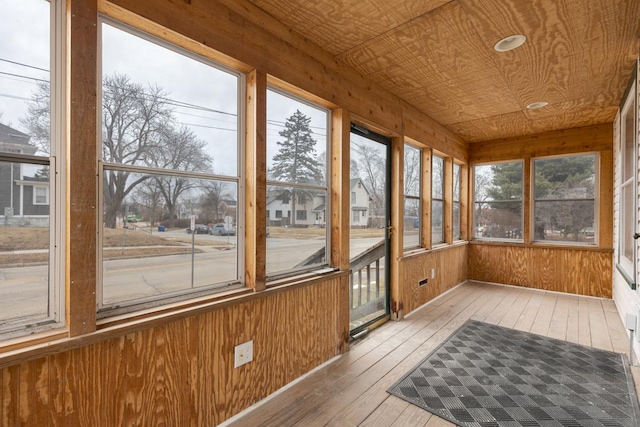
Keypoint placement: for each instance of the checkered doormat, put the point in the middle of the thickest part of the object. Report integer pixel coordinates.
(487, 375)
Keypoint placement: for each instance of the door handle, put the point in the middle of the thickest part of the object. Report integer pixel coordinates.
(390, 229)
(636, 236)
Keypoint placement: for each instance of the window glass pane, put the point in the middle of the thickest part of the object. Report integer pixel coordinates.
(153, 253)
(437, 198)
(296, 241)
(412, 167)
(296, 141)
(626, 226)
(498, 201)
(411, 229)
(25, 77)
(164, 109)
(564, 189)
(628, 198)
(628, 135)
(24, 241)
(296, 153)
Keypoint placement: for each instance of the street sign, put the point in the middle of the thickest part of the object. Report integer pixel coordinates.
(193, 222)
(228, 222)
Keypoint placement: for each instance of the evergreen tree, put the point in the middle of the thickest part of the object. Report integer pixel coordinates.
(296, 160)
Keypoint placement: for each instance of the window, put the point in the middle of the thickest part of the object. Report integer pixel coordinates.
(353, 196)
(564, 199)
(40, 195)
(498, 201)
(437, 200)
(297, 170)
(627, 209)
(278, 214)
(31, 299)
(169, 156)
(457, 189)
(355, 217)
(412, 208)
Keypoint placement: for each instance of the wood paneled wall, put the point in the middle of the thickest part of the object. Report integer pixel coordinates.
(180, 373)
(575, 271)
(450, 264)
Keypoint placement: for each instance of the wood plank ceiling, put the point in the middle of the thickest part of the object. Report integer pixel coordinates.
(438, 55)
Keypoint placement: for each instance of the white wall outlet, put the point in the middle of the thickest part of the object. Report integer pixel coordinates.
(433, 273)
(243, 353)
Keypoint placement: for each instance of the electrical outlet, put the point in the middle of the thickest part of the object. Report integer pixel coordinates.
(243, 353)
(433, 273)
(423, 282)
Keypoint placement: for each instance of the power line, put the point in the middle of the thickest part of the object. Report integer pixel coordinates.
(14, 96)
(24, 65)
(24, 77)
(209, 127)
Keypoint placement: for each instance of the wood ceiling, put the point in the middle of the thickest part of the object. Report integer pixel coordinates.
(438, 56)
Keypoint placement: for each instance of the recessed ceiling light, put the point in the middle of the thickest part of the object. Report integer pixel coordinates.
(536, 105)
(510, 43)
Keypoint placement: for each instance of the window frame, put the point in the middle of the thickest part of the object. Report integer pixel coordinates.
(534, 200)
(457, 202)
(521, 200)
(326, 188)
(414, 197)
(56, 295)
(435, 155)
(138, 304)
(46, 195)
(623, 264)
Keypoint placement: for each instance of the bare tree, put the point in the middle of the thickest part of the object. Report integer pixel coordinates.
(215, 193)
(372, 168)
(38, 122)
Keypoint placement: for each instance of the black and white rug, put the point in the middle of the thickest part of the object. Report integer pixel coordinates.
(487, 375)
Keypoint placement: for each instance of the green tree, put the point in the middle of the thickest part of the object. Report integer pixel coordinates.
(296, 160)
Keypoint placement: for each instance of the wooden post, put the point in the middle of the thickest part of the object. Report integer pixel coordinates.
(527, 200)
(425, 195)
(447, 202)
(397, 223)
(255, 232)
(465, 201)
(81, 167)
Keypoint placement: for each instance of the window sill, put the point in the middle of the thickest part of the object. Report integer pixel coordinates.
(440, 247)
(625, 276)
(32, 347)
(540, 245)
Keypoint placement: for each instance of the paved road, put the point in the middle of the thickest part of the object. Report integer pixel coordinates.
(23, 290)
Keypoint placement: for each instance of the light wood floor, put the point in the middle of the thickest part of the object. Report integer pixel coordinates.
(351, 391)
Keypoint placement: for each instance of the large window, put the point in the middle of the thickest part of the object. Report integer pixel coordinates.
(171, 206)
(437, 200)
(498, 201)
(564, 199)
(297, 153)
(30, 292)
(412, 183)
(457, 191)
(627, 209)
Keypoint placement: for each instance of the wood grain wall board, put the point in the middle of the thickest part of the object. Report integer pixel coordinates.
(179, 373)
(397, 223)
(574, 271)
(577, 140)
(340, 209)
(451, 269)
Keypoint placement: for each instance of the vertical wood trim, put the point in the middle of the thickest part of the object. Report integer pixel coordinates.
(340, 214)
(447, 204)
(527, 200)
(425, 195)
(255, 180)
(344, 312)
(605, 200)
(465, 201)
(81, 184)
(397, 223)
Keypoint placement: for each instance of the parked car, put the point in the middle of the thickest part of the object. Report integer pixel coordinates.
(199, 229)
(220, 230)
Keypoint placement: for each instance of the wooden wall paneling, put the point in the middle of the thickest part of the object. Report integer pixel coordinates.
(10, 402)
(425, 194)
(576, 140)
(450, 264)
(447, 205)
(34, 398)
(605, 200)
(577, 271)
(256, 181)
(80, 210)
(340, 169)
(397, 223)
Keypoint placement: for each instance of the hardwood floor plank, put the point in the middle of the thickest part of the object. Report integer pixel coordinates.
(352, 390)
(412, 416)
